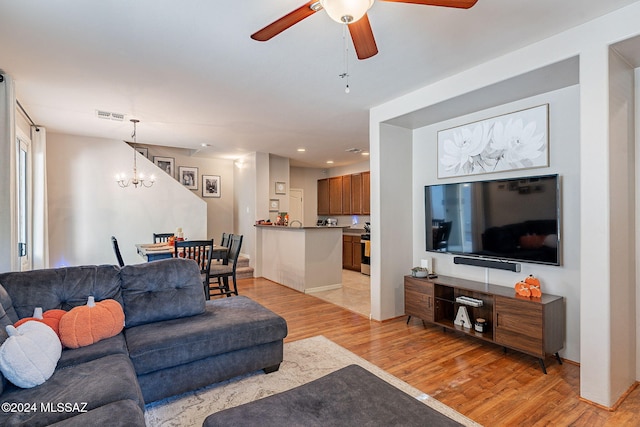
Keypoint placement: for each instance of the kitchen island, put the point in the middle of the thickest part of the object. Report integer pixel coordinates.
(307, 259)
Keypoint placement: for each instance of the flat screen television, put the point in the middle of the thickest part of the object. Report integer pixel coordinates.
(507, 219)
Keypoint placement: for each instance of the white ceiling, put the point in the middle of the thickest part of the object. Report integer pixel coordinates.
(189, 71)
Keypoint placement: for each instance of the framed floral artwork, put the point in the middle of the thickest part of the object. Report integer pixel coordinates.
(518, 140)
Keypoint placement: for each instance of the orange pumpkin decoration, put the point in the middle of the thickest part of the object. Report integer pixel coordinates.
(88, 324)
(50, 318)
(534, 286)
(522, 289)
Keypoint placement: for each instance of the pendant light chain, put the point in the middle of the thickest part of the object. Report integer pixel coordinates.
(345, 75)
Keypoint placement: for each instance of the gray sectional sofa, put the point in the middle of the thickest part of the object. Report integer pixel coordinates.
(174, 341)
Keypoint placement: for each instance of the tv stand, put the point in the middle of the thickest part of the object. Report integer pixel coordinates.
(534, 326)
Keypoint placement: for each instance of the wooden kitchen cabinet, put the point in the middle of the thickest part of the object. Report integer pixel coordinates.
(366, 193)
(346, 195)
(323, 196)
(351, 252)
(335, 195)
(535, 326)
(355, 194)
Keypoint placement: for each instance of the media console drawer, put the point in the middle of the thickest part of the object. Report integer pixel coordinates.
(532, 326)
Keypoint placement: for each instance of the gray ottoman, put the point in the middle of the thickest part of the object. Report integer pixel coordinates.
(351, 396)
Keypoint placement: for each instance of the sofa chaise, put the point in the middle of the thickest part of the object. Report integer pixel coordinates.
(173, 342)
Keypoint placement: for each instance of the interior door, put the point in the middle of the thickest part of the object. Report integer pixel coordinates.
(296, 207)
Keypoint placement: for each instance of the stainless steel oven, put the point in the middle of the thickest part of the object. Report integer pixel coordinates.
(365, 265)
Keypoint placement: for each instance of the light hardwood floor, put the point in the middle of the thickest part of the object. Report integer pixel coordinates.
(476, 378)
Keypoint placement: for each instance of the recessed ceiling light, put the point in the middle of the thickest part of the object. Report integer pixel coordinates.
(329, 162)
(365, 153)
(302, 150)
(205, 145)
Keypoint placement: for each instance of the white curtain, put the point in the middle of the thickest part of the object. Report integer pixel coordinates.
(40, 211)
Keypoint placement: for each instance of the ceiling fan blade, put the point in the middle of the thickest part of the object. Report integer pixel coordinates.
(286, 21)
(362, 36)
(462, 4)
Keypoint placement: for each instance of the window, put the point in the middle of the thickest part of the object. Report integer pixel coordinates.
(23, 192)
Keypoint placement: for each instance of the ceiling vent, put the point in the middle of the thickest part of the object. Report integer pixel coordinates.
(354, 150)
(119, 117)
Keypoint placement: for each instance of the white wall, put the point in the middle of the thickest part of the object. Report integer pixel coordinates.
(564, 149)
(637, 207)
(622, 219)
(246, 207)
(87, 207)
(219, 209)
(279, 172)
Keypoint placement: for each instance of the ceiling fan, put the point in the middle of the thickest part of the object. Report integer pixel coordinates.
(350, 12)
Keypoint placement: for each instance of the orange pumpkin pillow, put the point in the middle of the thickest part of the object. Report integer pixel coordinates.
(87, 324)
(50, 318)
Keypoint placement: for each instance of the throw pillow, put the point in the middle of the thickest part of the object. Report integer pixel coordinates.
(50, 318)
(29, 356)
(88, 324)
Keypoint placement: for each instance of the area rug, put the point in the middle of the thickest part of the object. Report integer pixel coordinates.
(304, 361)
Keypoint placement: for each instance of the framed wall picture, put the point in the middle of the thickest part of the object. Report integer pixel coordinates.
(210, 185)
(518, 140)
(143, 150)
(167, 164)
(281, 188)
(274, 205)
(188, 176)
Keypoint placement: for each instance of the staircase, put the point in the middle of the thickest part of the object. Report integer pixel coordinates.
(243, 270)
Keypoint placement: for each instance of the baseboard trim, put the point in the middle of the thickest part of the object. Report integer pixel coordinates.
(323, 288)
(618, 402)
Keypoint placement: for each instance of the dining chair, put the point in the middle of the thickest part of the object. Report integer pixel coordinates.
(226, 239)
(201, 252)
(161, 237)
(116, 249)
(219, 274)
(225, 242)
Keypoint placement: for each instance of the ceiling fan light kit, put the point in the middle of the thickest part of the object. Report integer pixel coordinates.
(353, 13)
(346, 11)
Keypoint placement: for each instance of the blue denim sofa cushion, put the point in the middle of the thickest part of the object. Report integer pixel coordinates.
(106, 347)
(161, 290)
(228, 324)
(97, 382)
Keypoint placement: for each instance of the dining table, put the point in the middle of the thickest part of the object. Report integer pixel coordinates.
(162, 250)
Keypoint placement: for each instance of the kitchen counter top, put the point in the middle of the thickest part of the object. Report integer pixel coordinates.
(282, 227)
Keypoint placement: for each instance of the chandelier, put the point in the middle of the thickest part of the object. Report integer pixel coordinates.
(346, 11)
(136, 180)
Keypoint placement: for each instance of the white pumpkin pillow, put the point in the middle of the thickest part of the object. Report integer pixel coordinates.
(29, 356)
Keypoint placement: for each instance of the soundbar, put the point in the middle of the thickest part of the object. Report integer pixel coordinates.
(480, 262)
